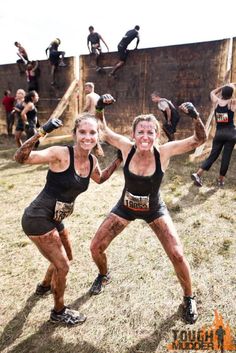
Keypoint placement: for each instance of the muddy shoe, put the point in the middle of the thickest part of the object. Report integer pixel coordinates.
(220, 183)
(62, 64)
(197, 180)
(98, 285)
(190, 314)
(67, 317)
(98, 69)
(112, 75)
(42, 290)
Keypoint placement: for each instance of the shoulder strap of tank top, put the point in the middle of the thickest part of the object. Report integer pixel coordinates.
(130, 155)
(91, 165)
(158, 160)
(71, 152)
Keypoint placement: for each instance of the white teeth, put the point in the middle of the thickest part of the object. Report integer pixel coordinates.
(144, 144)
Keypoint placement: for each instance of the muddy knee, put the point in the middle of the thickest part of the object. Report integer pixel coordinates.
(96, 249)
(63, 268)
(177, 255)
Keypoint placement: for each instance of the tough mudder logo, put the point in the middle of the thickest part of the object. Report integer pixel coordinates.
(218, 337)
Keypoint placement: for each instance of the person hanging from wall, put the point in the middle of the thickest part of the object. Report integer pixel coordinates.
(94, 46)
(24, 59)
(32, 75)
(225, 136)
(122, 48)
(69, 174)
(170, 112)
(144, 167)
(56, 58)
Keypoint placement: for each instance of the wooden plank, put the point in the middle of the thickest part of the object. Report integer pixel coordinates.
(199, 150)
(64, 101)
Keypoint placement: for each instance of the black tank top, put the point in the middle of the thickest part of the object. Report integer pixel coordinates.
(67, 185)
(19, 105)
(32, 117)
(143, 185)
(224, 117)
(127, 39)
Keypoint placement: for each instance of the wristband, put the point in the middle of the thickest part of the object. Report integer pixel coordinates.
(41, 132)
(99, 110)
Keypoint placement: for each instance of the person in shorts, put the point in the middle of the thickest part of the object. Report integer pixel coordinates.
(145, 163)
(69, 174)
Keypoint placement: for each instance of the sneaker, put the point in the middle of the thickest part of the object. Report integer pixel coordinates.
(68, 317)
(100, 282)
(197, 180)
(220, 183)
(190, 314)
(98, 69)
(62, 64)
(41, 290)
(112, 75)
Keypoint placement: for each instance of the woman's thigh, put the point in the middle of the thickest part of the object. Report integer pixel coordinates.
(51, 247)
(108, 230)
(166, 232)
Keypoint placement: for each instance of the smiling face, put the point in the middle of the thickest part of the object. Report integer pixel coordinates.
(86, 133)
(145, 135)
(145, 131)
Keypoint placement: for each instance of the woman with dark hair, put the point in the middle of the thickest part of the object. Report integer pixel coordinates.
(225, 136)
(70, 170)
(29, 114)
(145, 163)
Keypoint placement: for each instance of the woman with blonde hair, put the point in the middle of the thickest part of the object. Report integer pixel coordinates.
(69, 174)
(19, 106)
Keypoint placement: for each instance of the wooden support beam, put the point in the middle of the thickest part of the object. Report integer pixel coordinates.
(65, 100)
(199, 150)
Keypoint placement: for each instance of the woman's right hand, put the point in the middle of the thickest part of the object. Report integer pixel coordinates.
(50, 125)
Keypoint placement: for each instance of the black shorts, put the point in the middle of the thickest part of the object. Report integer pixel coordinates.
(39, 226)
(20, 125)
(148, 216)
(174, 122)
(38, 216)
(54, 57)
(123, 53)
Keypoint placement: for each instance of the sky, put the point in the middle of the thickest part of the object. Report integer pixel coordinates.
(169, 22)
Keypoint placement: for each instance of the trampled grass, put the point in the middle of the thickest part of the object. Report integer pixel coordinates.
(139, 309)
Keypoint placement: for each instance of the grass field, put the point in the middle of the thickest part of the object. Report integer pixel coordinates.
(139, 310)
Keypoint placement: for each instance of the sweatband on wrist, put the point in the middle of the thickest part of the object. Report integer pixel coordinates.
(41, 132)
